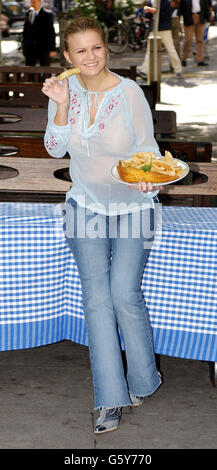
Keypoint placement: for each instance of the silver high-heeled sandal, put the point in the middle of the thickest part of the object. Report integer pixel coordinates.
(108, 420)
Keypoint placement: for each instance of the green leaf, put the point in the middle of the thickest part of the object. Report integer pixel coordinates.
(145, 168)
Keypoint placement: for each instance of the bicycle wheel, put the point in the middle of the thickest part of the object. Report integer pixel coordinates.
(117, 39)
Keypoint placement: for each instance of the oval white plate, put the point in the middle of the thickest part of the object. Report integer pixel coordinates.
(115, 175)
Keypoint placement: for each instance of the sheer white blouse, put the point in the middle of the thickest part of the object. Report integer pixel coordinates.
(123, 125)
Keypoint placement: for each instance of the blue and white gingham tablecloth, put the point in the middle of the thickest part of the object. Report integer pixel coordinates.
(40, 292)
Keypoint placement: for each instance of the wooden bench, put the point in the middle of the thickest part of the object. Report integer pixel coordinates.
(125, 72)
(34, 119)
(22, 95)
(15, 92)
(150, 92)
(31, 74)
(164, 123)
(28, 145)
(187, 151)
(39, 74)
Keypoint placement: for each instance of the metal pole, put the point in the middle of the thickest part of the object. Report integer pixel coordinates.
(155, 31)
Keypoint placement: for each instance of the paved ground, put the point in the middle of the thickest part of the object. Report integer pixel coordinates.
(47, 402)
(46, 393)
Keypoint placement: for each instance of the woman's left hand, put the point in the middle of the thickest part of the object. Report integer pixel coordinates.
(144, 187)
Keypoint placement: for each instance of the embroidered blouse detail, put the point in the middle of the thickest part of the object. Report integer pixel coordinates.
(107, 111)
(122, 126)
(83, 103)
(51, 143)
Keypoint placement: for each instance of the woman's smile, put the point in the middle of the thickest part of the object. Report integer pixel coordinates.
(87, 51)
(93, 64)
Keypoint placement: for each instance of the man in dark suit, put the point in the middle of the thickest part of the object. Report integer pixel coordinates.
(38, 35)
(195, 14)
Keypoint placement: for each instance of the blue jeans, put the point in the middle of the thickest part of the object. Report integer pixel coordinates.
(111, 270)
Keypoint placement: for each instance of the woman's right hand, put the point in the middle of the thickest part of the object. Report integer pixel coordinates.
(58, 92)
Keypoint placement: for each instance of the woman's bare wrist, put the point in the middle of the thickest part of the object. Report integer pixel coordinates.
(61, 118)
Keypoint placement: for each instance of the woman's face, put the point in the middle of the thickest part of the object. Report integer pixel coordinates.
(87, 51)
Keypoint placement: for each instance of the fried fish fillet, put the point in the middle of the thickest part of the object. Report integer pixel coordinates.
(134, 175)
(145, 166)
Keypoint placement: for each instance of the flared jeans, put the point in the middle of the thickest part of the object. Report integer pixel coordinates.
(111, 270)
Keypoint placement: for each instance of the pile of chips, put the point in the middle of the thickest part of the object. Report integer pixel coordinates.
(148, 161)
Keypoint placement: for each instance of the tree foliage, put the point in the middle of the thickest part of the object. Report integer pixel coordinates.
(92, 9)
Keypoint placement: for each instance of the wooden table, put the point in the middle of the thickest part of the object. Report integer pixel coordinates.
(208, 187)
(30, 119)
(37, 175)
(201, 192)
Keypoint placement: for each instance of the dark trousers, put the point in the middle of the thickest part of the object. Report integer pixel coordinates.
(33, 57)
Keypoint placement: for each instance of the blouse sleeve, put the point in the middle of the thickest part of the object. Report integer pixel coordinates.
(142, 123)
(141, 120)
(56, 138)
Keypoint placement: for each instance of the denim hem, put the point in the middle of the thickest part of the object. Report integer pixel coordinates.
(112, 406)
(130, 403)
(148, 394)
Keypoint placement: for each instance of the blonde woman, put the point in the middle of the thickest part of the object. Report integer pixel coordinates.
(100, 117)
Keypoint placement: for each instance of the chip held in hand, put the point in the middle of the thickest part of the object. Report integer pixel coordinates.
(68, 72)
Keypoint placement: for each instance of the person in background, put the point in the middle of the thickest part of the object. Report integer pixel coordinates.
(100, 117)
(106, 13)
(206, 29)
(176, 26)
(38, 41)
(214, 8)
(165, 33)
(195, 14)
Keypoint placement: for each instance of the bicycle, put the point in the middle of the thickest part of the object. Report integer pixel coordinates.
(139, 29)
(128, 32)
(116, 37)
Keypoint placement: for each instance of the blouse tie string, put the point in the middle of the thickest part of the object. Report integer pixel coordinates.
(88, 96)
